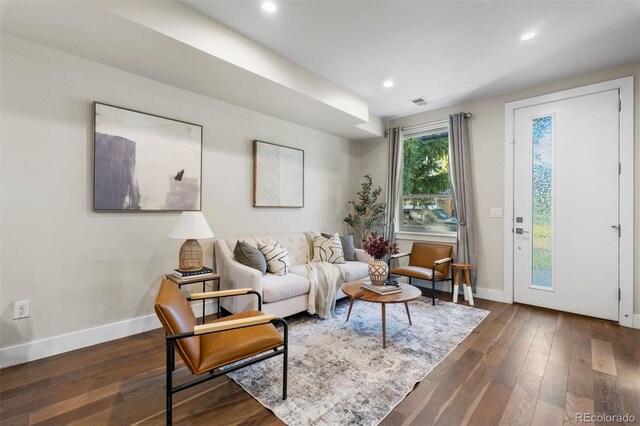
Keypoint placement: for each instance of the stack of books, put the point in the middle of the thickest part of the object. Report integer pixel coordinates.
(192, 274)
(382, 289)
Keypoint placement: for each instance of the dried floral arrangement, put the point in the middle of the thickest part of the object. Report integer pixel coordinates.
(377, 247)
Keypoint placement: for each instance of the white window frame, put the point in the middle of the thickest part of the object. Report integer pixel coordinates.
(443, 237)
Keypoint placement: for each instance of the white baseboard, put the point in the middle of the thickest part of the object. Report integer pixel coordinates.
(481, 292)
(636, 321)
(43, 348)
(490, 294)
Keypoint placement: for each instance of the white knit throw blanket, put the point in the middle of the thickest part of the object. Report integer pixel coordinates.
(325, 278)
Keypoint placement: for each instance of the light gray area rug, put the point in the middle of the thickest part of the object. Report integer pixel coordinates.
(338, 372)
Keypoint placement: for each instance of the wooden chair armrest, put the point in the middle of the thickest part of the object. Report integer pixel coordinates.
(399, 255)
(231, 324)
(441, 261)
(221, 293)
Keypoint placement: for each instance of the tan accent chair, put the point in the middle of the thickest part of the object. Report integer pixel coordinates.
(427, 261)
(209, 347)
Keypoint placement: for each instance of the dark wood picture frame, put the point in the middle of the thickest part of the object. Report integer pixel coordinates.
(264, 194)
(106, 198)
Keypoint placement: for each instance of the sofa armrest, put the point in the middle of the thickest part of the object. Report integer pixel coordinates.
(245, 276)
(235, 275)
(242, 276)
(362, 256)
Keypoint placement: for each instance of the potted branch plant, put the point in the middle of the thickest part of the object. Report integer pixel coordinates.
(368, 212)
(378, 247)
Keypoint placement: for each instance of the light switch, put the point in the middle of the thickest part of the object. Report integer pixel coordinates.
(496, 212)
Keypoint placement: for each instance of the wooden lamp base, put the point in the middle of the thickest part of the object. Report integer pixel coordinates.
(190, 256)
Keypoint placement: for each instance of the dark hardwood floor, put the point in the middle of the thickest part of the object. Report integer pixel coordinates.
(521, 366)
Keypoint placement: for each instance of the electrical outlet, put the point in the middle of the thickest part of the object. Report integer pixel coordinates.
(496, 212)
(21, 309)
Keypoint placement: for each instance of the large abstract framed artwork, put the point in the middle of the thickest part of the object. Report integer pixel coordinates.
(145, 163)
(278, 175)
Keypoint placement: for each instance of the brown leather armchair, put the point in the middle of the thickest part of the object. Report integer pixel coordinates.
(209, 347)
(427, 261)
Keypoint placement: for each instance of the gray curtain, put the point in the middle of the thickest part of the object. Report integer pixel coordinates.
(460, 169)
(394, 180)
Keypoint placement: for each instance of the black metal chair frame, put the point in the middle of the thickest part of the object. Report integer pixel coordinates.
(221, 371)
(433, 279)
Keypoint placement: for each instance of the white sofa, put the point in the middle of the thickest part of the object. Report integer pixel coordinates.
(281, 295)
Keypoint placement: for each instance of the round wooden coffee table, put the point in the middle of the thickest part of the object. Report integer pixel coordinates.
(355, 291)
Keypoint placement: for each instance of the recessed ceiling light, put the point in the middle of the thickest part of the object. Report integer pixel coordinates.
(527, 36)
(269, 6)
(387, 83)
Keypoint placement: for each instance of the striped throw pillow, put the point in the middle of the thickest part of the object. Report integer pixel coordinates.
(277, 257)
(328, 249)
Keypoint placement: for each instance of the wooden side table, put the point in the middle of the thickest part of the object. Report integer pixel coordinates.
(355, 291)
(194, 280)
(462, 271)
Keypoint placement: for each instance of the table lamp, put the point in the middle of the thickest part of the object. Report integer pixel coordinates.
(190, 227)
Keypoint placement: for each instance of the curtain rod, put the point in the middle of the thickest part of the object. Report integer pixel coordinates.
(424, 126)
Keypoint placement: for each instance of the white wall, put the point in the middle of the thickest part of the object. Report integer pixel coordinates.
(486, 129)
(82, 269)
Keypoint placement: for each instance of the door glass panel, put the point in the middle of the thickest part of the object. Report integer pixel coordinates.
(542, 217)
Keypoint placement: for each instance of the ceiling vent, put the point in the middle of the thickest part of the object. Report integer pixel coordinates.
(421, 101)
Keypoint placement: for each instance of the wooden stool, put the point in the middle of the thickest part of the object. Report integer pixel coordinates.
(462, 269)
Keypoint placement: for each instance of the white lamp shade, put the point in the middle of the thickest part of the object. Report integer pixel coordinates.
(191, 226)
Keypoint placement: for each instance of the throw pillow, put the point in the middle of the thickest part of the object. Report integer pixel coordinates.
(327, 249)
(348, 247)
(277, 257)
(250, 256)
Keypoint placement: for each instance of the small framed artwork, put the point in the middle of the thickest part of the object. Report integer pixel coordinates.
(145, 163)
(278, 175)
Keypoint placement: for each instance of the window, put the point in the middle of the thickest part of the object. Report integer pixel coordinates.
(542, 202)
(427, 204)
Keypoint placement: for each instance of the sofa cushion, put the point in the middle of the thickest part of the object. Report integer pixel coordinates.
(348, 247)
(351, 270)
(277, 257)
(301, 270)
(250, 256)
(327, 249)
(278, 287)
(354, 270)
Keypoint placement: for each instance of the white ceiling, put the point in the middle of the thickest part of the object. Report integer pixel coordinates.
(444, 51)
(170, 43)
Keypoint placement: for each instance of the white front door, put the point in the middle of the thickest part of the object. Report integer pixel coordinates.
(566, 205)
